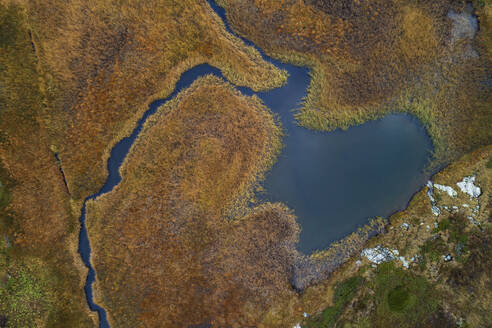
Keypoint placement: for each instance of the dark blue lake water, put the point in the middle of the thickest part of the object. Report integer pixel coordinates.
(336, 181)
(333, 181)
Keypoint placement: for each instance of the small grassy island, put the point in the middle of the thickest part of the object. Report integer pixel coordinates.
(185, 239)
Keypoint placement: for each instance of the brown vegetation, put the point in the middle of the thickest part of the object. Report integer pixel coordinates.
(76, 75)
(370, 57)
(38, 279)
(104, 61)
(162, 238)
(319, 266)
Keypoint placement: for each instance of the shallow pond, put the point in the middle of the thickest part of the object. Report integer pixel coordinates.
(336, 181)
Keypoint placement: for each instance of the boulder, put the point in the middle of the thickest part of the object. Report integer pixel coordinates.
(378, 254)
(467, 185)
(450, 191)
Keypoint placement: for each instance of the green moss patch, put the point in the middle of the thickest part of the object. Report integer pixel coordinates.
(489, 163)
(23, 292)
(344, 293)
(434, 248)
(398, 298)
(402, 299)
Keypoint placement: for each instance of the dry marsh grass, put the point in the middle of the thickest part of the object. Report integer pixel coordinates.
(104, 61)
(40, 282)
(163, 239)
(76, 76)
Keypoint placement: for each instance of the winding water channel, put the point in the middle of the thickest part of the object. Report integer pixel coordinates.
(333, 181)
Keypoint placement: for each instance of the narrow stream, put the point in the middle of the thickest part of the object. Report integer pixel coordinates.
(333, 181)
(117, 156)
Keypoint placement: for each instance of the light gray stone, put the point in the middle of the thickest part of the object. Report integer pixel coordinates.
(378, 254)
(435, 210)
(450, 191)
(467, 185)
(404, 262)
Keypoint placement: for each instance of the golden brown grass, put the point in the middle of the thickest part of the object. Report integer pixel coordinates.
(75, 78)
(40, 282)
(162, 238)
(77, 75)
(372, 57)
(104, 61)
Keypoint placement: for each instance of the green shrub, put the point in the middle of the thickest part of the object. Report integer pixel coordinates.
(433, 248)
(345, 291)
(444, 225)
(457, 228)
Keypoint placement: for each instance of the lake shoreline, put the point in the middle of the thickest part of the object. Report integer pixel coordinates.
(120, 150)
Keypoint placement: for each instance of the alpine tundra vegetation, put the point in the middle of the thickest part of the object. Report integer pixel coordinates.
(137, 139)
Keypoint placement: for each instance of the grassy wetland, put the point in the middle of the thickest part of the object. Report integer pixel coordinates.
(181, 241)
(39, 282)
(165, 229)
(372, 57)
(66, 88)
(103, 62)
(75, 78)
